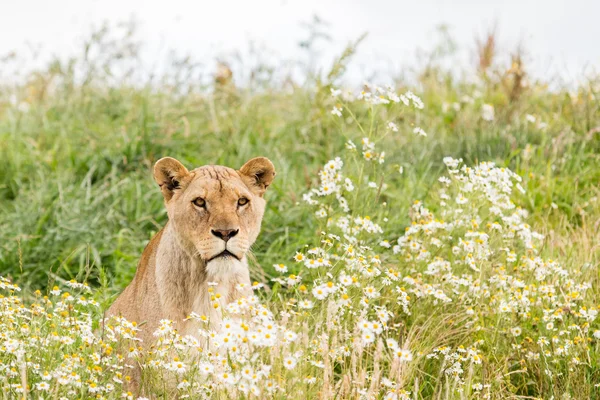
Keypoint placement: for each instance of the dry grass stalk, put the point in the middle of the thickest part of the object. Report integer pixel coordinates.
(327, 370)
(376, 376)
(486, 51)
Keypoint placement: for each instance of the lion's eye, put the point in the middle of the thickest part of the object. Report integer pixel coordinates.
(199, 202)
(243, 201)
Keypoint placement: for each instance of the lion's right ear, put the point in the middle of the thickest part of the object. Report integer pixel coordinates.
(169, 174)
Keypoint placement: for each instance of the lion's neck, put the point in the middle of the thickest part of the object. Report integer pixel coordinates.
(186, 283)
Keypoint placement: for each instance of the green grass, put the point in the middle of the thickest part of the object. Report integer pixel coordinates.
(77, 199)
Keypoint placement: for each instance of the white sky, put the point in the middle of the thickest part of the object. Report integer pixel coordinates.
(560, 35)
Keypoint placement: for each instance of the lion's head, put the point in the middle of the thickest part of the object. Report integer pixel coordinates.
(215, 211)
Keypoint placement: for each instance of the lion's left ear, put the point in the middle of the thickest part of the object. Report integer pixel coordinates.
(258, 174)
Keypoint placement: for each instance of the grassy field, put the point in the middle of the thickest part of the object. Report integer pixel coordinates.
(499, 320)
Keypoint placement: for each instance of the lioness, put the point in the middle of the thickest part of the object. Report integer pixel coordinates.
(215, 215)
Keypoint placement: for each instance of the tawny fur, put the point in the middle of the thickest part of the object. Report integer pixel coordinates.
(176, 267)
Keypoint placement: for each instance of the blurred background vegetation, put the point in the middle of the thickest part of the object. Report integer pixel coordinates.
(79, 136)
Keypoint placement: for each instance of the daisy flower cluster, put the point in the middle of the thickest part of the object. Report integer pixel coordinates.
(470, 264)
(374, 96)
(50, 348)
(237, 359)
(56, 347)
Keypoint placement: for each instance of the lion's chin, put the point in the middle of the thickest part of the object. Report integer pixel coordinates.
(225, 254)
(225, 269)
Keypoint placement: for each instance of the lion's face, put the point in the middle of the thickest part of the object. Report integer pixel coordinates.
(215, 211)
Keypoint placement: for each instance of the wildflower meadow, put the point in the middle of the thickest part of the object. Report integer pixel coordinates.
(434, 237)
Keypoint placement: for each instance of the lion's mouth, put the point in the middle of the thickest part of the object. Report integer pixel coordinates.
(224, 254)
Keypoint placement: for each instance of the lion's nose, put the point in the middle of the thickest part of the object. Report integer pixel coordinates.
(225, 234)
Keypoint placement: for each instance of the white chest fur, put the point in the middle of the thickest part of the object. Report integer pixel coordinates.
(227, 280)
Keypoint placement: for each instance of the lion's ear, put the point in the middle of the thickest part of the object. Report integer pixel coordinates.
(169, 173)
(258, 174)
